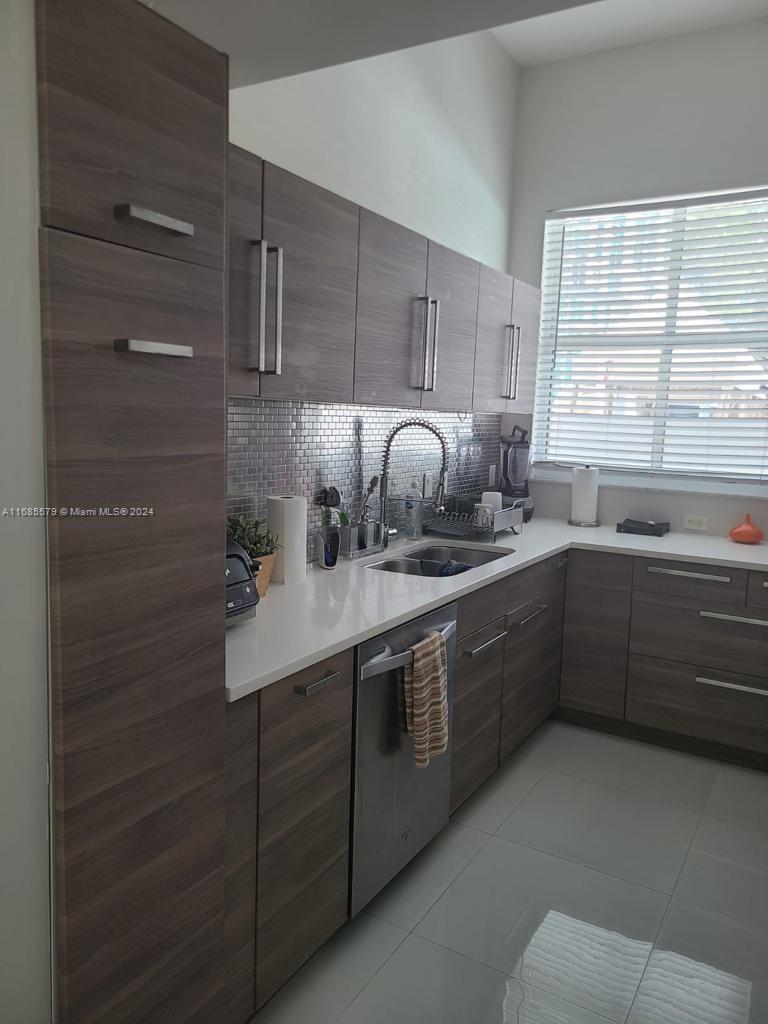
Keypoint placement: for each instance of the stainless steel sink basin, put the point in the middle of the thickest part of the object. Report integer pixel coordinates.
(431, 560)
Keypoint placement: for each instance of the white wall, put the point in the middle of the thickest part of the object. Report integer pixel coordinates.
(24, 926)
(684, 114)
(423, 136)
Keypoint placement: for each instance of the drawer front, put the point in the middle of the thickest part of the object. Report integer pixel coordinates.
(716, 635)
(476, 710)
(543, 578)
(757, 590)
(691, 579)
(722, 707)
(600, 569)
(532, 628)
(481, 608)
(133, 115)
(305, 770)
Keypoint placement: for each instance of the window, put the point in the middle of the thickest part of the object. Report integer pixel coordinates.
(654, 338)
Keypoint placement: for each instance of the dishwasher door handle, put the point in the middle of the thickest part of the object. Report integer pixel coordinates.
(378, 666)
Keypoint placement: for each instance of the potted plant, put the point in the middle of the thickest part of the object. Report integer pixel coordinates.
(259, 544)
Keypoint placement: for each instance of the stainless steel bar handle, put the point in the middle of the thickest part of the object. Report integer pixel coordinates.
(435, 342)
(561, 564)
(266, 250)
(313, 688)
(689, 575)
(376, 665)
(426, 336)
(153, 348)
(731, 686)
(278, 250)
(129, 211)
(529, 618)
(484, 647)
(260, 362)
(734, 618)
(514, 356)
(765, 584)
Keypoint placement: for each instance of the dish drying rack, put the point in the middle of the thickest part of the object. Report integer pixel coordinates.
(459, 521)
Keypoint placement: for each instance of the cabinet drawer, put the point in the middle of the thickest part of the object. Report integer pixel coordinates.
(757, 590)
(305, 770)
(702, 633)
(537, 580)
(481, 608)
(133, 114)
(476, 710)
(691, 579)
(722, 707)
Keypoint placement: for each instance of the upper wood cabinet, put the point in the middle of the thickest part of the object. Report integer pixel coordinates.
(133, 128)
(391, 314)
(526, 312)
(244, 188)
(452, 285)
(496, 362)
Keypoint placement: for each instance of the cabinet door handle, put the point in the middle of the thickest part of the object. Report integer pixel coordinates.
(260, 362)
(689, 575)
(312, 688)
(265, 251)
(734, 618)
(731, 686)
(484, 647)
(559, 565)
(129, 211)
(765, 584)
(425, 340)
(153, 348)
(435, 342)
(514, 361)
(529, 618)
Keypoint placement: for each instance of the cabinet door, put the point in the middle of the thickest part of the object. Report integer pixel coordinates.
(244, 180)
(391, 311)
(526, 311)
(137, 640)
(476, 710)
(453, 281)
(318, 235)
(598, 600)
(496, 343)
(305, 772)
(133, 125)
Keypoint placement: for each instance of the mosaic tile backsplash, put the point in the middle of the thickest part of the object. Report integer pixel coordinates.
(300, 448)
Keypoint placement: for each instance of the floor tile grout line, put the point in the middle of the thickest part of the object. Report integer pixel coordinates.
(378, 970)
(517, 806)
(513, 809)
(733, 821)
(688, 852)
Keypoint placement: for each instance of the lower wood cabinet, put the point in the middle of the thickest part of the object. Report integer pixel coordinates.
(598, 602)
(305, 772)
(476, 709)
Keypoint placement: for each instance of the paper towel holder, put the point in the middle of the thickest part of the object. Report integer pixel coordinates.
(584, 522)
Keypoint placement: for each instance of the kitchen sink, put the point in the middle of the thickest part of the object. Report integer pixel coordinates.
(432, 560)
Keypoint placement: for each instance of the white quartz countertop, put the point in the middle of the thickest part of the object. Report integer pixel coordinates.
(297, 626)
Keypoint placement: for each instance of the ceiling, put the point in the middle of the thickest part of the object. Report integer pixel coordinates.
(607, 24)
(268, 39)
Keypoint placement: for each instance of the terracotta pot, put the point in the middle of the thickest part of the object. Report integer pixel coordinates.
(264, 574)
(747, 532)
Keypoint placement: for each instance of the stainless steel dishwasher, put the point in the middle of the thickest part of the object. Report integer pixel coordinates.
(397, 807)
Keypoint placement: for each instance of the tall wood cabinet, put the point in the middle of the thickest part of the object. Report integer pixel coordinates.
(133, 125)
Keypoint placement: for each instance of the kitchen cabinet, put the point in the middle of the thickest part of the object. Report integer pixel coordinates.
(690, 579)
(526, 312)
(757, 590)
(598, 603)
(452, 290)
(244, 271)
(497, 350)
(136, 640)
(305, 771)
(133, 129)
(310, 299)
(391, 314)
(476, 709)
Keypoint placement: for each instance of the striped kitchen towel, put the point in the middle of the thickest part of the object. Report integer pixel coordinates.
(425, 689)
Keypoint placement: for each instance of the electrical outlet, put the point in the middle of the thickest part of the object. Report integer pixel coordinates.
(427, 485)
(492, 475)
(691, 522)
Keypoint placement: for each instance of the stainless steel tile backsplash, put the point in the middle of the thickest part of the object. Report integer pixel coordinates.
(300, 448)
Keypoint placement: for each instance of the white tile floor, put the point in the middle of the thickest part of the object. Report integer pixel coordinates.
(593, 879)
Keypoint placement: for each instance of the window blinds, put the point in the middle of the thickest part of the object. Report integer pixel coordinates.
(654, 338)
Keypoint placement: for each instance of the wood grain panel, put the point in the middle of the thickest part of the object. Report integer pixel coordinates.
(476, 710)
(392, 279)
(666, 695)
(757, 590)
(132, 110)
(454, 280)
(673, 628)
(244, 186)
(526, 310)
(492, 350)
(598, 604)
(728, 587)
(319, 234)
(305, 772)
(242, 792)
(137, 641)
(481, 607)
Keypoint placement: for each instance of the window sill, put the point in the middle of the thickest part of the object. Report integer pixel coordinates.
(542, 473)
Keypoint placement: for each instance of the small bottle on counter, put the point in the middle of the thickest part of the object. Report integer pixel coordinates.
(413, 511)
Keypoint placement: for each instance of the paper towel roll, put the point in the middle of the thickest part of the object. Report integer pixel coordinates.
(494, 499)
(584, 496)
(287, 520)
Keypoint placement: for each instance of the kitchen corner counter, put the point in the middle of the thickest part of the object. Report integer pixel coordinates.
(297, 626)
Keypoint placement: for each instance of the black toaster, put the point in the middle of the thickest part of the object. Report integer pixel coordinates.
(242, 595)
